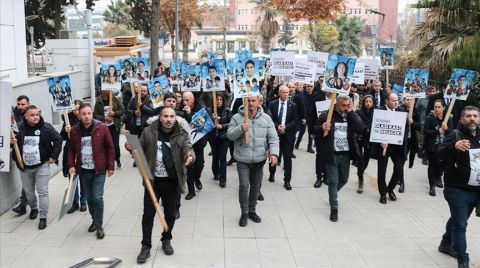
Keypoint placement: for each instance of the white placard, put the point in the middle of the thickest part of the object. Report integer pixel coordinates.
(322, 106)
(320, 59)
(5, 112)
(283, 63)
(474, 167)
(305, 72)
(388, 127)
(371, 68)
(359, 74)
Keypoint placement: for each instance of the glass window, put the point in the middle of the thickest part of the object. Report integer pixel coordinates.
(230, 46)
(253, 48)
(243, 44)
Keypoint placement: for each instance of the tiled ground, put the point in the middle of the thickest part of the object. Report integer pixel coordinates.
(295, 230)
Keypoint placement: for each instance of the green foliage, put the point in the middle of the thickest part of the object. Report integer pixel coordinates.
(349, 29)
(286, 37)
(118, 13)
(321, 35)
(140, 12)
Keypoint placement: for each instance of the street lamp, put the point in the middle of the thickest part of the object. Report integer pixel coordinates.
(88, 23)
(375, 39)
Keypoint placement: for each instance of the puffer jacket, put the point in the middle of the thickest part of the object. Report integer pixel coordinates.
(263, 138)
(180, 146)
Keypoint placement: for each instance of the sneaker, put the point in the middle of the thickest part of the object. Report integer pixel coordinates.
(119, 164)
(74, 207)
(167, 247)
(42, 224)
(33, 214)
(83, 207)
(144, 255)
(334, 214)
(20, 209)
(100, 232)
(92, 228)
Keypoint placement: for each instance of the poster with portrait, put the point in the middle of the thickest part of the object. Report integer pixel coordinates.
(386, 58)
(175, 73)
(359, 74)
(305, 72)
(388, 127)
(474, 179)
(191, 76)
(371, 69)
(416, 82)
(5, 124)
(243, 54)
(338, 74)
(397, 89)
(283, 63)
(157, 88)
(142, 68)
(211, 56)
(247, 84)
(320, 59)
(60, 91)
(127, 68)
(230, 67)
(200, 125)
(461, 83)
(111, 77)
(213, 76)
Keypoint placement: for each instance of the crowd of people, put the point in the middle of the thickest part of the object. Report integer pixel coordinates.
(258, 130)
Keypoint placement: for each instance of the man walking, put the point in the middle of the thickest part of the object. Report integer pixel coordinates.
(251, 156)
(92, 155)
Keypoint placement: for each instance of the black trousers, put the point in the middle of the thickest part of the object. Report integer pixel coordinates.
(320, 168)
(412, 150)
(167, 190)
(301, 131)
(363, 161)
(286, 148)
(398, 162)
(194, 172)
(116, 140)
(435, 168)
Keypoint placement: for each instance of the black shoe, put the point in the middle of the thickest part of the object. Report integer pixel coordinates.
(33, 214)
(318, 183)
(325, 181)
(144, 255)
(210, 153)
(83, 207)
(355, 163)
(100, 232)
(392, 196)
(334, 214)
(401, 189)
(134, 164)
(215, 178)
(425, 162)
(74, 208)
(231, 161)
(410, 165)
(432, 191)
(92, 228)
(464, 265)
(42, 224)
(243, 220)
(383, 200)
(254, 217)
(119, 164)
(177, 214)
(294, 156)
(287, 186)
(360, 187)
(310, 150)
(439, 183)
(190, 196)
(260, 197)
(198, 184)
(20, 209)
(447, 249)
(223, 184)
(297, 145)
(271, 179)
(167, 247)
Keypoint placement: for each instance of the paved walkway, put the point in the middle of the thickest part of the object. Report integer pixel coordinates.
(295, 229)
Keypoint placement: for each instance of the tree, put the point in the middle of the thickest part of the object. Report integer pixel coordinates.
(349, 29)
(310, 10)
(111, 30)
(286, 37)
(154, 38)
(447, 27)
(321, 35)
(268, 25)
(118, 12)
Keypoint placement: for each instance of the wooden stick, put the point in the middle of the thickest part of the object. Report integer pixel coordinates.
(410, 109)
(70, 183)
(214, 96)
(330, 111)
(67, 120)
(384, 153)
(245, 119)
(148, 184)
(450, 108)
(386, 78)
(110, 101)
(17, 152)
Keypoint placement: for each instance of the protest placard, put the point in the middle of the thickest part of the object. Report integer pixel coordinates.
(322, 106)
(191, 76)
(247, 79)
(283, 63)
(305, 72)
(213, 76)
(320, 59)
(60, 90)
(388, 127)
(386, 58)
(359, 74)
(200, 125)
(416, 82)
(157, 87)
(461, 83)
(371, 68)
(338, 74)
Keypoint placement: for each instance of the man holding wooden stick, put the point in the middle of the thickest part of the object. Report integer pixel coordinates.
(168, 162)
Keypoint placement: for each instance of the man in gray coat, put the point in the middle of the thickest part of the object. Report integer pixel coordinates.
(262, 143)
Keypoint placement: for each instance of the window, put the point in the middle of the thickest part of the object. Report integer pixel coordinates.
(239, 27)
(253, 48)
(230, 46)
(243, 44)
(350, 11)
(220, 45)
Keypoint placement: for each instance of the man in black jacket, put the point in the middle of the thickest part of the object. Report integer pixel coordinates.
(338, 146)
(40, 145)
(139, 112)
(378, 94)
(310, 97)
(285, 116)
(460, 152)
(412, 140)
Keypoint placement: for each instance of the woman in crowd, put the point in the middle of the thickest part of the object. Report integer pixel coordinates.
(219, 141)
(366, 113)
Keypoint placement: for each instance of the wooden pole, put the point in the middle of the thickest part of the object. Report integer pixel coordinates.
(386, 78)
(245, 119)
(410, 109)
(450, 108)
(70, 183)
(110, 102)
(330, 111)
(384, 153)
(17, 152)
(214, 96)
(148, 184)
(67, 120)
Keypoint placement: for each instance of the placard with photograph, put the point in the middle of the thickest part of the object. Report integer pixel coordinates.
(338, 74)
(191, 76)
(111, 77)
(213, 76)
(386, 58)
(461, 83)
(416, 82)
(60, 91)
(157, 87)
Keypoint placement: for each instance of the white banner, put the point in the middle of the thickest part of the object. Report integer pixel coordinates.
(320, 59)
(305, 72)
(283, 63)
(5, 112)
(322, 106)
(371, 68)
(474, 167)
(359, 74)
(388, 127)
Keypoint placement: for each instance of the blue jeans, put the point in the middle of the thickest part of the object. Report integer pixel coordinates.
(93, 185)
(461, 203)
(219, 158)
(80, 192)
(337, 172)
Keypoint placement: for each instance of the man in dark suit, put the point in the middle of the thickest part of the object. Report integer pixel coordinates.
(396, 152)
(284, 115)
(378, 94)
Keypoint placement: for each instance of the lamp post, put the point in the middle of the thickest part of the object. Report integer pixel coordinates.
(375, 31)
(88, 23)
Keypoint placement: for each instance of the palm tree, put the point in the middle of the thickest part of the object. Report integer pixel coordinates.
(447, 27)
(117, 12)
(268, 24)
(349, 29)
